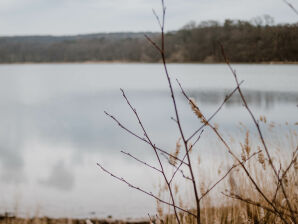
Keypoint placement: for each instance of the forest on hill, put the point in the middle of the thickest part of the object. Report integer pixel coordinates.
(244, 41)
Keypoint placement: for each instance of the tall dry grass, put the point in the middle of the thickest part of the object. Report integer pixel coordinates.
(236, 200)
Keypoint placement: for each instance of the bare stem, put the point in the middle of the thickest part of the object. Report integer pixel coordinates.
(226, 174)
(291, 6)
(146, 164)
(181, 163)
(248, 201)
(145, 192)
(156, 153)
(260, 135)
(235, 157)
(142, 138)
(218, 109)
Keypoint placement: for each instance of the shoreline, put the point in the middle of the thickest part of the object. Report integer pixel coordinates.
(5, 219)
(131, 62)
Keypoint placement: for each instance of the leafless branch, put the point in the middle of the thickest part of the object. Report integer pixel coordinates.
(141, 138)
(270, 205)
(157, 18)
(226, 174)
(145, 192)
(151, 220)
(291, 6)
(180, 170)
(163, 57)
(248, 201)
(156, 153)
(173, 119)
(178, 167)
(260, 135)
(218, 109)
(146, 164)
(294, 158)
(152, 42)
(234, 155)
(292, 162)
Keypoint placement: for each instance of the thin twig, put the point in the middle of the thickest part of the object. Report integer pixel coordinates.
(226, 174)
(248, 201)
(260, 134)
(163, 57)
(294, 157)
(291, 6)
(162, 53)
(234, 156)
(173, 119)
(146, 192)
(146, 164)
(155, 151)
(181, 171)
(141, 138)
(150, 219)
(178, 167)
(218, 109)
(157, 18)
(152, 42)
(198, 138)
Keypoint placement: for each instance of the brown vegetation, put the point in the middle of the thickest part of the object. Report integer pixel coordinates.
(255, 41)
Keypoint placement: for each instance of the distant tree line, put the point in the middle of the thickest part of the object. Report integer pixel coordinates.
(255, 41)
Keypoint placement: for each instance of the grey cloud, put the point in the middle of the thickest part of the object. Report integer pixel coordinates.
(78, 16)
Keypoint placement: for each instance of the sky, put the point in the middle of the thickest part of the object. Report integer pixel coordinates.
(68, 17)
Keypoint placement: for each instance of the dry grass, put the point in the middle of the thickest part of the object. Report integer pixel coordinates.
(236, 200)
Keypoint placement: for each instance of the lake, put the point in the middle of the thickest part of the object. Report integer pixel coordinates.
(53, 129)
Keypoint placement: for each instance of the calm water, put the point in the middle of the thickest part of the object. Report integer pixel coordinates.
(53, 130)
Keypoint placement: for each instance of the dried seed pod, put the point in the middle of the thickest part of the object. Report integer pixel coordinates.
(197, 111)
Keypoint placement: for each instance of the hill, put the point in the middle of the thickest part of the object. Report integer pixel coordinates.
(243, 41)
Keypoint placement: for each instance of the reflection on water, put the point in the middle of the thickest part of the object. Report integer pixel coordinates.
(261, 99)
(53, 129)
(60, 177)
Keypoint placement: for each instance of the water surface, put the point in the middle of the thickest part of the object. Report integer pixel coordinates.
(53, 130)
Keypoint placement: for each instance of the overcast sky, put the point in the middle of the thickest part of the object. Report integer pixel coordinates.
(62, 17)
